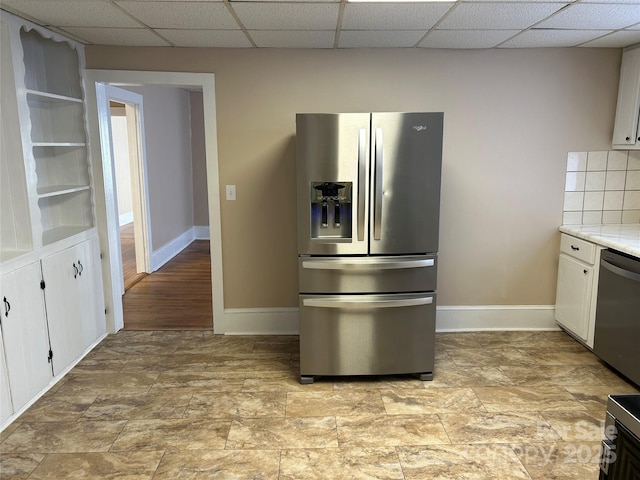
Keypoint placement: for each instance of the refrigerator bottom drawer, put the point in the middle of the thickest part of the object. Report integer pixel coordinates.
(367, 335)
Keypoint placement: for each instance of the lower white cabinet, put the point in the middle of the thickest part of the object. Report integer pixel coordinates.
(6, 407)
(24, 331)
(52, 312)
(577, 285)
(75, 307)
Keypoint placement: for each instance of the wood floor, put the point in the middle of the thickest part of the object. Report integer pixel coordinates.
(175, 297)
(131, 275)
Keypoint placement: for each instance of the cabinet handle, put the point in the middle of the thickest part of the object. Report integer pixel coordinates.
(81, 268)
(7, 307)
(575, 249)
(628, 138)
(75, 271)
(585, 272)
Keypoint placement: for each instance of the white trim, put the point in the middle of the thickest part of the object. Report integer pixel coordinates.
(261, 321)
(284, 321)
(169, 250)
(126, 218)
(201, 232)
(495, 317)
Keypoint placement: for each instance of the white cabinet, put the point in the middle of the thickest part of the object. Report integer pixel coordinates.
(577, 286)
(47, 218)
(75, 309)
(24, 331)
(6, 407)
(625, 132)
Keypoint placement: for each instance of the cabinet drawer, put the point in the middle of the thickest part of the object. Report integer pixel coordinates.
(578, 248)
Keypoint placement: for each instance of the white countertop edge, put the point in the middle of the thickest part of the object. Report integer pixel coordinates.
(624, 237)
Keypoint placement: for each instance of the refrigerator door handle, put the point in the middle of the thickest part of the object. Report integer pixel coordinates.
(364, 265)
(377, 221)
(362, 178)
(341, 302)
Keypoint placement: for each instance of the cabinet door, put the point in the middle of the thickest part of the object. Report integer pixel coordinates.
(24, 330)
(625, 131)
(6, 408)
(573, 296)
(75, 305)
(90, 284)
(64, 306)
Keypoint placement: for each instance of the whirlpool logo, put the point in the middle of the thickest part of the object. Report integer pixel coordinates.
(419, 128)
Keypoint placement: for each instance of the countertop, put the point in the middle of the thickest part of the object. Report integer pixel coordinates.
(624, 238)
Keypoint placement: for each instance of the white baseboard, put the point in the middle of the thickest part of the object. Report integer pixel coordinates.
(168, 251)
(125, 218)
(201, 232)
(495, 317)
(260, 321)
(284, 321)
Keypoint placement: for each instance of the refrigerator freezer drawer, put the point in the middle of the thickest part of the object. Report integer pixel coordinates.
(367, 274)
(367, 334)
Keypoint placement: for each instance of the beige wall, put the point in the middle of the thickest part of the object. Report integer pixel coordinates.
(198, 161)
(511, 116)
(168, 147)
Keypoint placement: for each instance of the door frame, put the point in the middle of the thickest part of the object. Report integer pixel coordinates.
(139, 184)
(105, 189)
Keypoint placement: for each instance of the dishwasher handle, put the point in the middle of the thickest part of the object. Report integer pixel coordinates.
(621, 272)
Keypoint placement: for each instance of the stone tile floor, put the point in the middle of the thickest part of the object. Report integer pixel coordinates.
(193, 405)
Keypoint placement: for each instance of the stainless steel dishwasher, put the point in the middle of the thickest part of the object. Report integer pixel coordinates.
(617, 333)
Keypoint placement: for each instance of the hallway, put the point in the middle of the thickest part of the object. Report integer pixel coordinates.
(175, 297)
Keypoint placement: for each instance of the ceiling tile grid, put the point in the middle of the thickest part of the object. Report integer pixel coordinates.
(326, 24)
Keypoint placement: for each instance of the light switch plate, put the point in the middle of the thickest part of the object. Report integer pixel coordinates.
(231, 192)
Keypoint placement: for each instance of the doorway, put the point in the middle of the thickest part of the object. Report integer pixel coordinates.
(125, 156)
(106, 208)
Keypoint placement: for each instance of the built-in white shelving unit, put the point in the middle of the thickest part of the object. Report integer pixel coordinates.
(50, 273)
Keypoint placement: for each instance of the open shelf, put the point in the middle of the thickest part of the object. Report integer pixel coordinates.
(55, 121)
(50, 66)
(61, 190)
(66, 212)
(58, 167)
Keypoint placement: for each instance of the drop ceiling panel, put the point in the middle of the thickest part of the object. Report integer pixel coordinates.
(287, 16)
(181, 15)
(383, 39)
(293, 39)
(497, 16)
(594, 16)
(139, 37)
(553, 38)
(70, 13)
(206, 38)
(618, 39)
(386, 16)
(466, 38)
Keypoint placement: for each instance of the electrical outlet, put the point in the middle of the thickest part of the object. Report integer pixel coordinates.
(231, 192)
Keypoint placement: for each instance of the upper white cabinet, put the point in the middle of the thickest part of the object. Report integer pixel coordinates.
(625, 132)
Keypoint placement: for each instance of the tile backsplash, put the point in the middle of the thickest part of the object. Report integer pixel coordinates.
(602, 187)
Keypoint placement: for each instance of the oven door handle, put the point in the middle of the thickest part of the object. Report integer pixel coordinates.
(620, 271)
(341, 302)
(363, 265)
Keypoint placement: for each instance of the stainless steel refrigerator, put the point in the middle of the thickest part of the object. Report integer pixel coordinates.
(368, 200)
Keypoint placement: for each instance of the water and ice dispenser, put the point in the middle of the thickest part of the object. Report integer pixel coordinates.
(331, 210)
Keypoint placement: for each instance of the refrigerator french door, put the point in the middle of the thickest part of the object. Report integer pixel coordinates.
(368, 199)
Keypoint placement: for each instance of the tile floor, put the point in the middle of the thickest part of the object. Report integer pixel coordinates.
(193, 405)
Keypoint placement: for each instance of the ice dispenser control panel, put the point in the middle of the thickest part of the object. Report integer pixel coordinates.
(331, 209)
